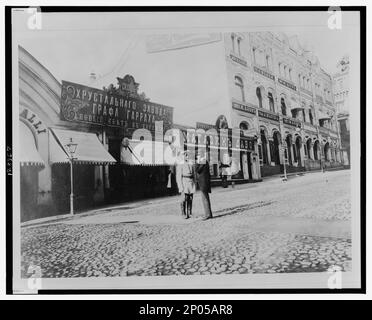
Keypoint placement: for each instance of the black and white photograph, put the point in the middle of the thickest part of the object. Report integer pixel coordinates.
(186, 150)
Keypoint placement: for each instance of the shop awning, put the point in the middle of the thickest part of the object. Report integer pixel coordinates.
(148, 153)
(89, 149)
(29, 156)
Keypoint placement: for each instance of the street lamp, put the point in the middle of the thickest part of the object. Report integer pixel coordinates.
(71, 149)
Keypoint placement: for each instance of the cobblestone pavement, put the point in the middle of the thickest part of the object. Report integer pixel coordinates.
(302, 225)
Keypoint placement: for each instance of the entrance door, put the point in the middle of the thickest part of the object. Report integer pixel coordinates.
(249, 165)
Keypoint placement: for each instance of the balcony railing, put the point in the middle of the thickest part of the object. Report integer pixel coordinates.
(292, 122)
(324, 130)
(309, 127)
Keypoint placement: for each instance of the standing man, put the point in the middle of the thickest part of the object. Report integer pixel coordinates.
(204, 181)
(186, 184)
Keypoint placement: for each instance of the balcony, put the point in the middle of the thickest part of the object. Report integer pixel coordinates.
(309, 127)
(324, 131)
(292, 122)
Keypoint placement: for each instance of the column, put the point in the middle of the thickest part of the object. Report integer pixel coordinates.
(311, 151)
(302, 153)
(293, 155)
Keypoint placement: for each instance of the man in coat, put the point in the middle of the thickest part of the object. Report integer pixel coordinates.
(204, 181)
(186, 184)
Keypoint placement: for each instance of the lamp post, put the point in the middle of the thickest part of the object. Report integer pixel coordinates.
(71, 148)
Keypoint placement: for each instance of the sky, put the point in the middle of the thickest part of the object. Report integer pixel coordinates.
(72, 45)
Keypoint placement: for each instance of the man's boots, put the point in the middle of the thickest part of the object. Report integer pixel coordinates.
(189, 205)
(183, 208)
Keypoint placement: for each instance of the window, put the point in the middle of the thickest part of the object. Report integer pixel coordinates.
(259, 96)
(311, 117)
(290, 74)
(271, 102)
(268, 62)
(239, 42)
(233, 42)
(285, 72)
(283, 107)
(280, 68)
(239, 89)
(294, 113)
(254, 55)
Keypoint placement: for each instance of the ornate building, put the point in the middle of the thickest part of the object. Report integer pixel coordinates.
(341, 96)
(279, 90)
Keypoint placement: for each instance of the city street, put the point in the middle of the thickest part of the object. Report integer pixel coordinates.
(302, 225)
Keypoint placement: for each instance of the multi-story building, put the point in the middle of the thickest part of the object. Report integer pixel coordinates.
(279, 89)
(341, 97)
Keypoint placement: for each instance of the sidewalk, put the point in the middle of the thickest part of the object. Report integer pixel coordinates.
(153, 201)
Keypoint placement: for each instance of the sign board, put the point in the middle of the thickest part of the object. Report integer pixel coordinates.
(93, 106)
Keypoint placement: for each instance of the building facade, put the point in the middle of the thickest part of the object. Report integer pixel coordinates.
(275, 108)
(341, 96)
(279, 90)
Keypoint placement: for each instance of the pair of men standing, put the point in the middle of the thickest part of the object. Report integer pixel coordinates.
(188, 174)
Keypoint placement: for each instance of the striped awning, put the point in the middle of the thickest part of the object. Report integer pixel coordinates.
(148, 153)
(89, 149)
(29, 156)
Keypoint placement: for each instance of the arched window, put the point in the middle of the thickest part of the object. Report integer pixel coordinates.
(243, 125)
(283, 107)
(268, 66)
(259, 96)
(239, 89)
(239, 49)
(271, 101)
(294, 113)
(254, 51)
(233, 42)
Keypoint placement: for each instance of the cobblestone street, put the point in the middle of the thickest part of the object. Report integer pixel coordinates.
(302, 225)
